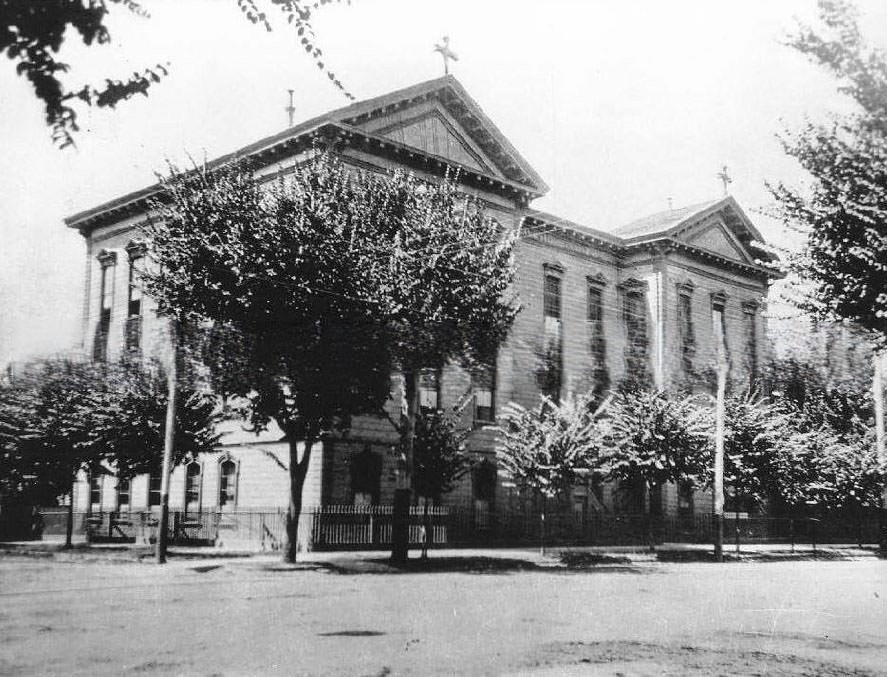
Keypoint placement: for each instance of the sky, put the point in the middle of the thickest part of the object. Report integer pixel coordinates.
(618, 105)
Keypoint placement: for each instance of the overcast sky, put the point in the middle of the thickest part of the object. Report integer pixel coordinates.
(618, 105)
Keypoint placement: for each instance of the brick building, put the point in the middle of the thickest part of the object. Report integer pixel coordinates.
(648, 300)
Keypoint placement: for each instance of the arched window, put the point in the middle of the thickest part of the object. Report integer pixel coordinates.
(227, 483)
(193, 477)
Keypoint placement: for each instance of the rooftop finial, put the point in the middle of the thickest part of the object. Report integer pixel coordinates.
(446, 53)
(291, 109)
(725, 179)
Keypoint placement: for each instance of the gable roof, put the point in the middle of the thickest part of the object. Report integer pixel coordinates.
(348, 120)
(662, 222)
(671, 223)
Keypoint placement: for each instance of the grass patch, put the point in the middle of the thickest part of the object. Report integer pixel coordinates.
(579, 559)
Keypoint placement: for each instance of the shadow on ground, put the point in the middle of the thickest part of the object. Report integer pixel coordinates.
(777, 556)
(111, 553)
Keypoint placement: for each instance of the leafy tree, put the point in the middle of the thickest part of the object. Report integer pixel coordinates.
(656, 437)
(440, 453)
(130, 426)
(843, 215)
(550, 449)
(445, 272)
(62, 417)
(51, 412)
(281, 279)
(32, 34)
(754, 430)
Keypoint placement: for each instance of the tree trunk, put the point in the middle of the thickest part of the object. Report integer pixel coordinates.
(400, 518)
(69, 525)
(298, 469)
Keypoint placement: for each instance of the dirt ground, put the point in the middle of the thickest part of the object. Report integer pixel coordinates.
(258, 617)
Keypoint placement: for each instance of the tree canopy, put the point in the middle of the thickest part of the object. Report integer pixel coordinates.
(32, 35)
(62, 416)
(655, 437)
(552, 448)
(308, 291)
(844, 213)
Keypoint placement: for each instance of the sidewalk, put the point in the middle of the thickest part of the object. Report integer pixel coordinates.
(449, 559)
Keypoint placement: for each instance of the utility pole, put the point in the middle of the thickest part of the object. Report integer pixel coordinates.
(168, 440)
(878, 399)
(718, 486)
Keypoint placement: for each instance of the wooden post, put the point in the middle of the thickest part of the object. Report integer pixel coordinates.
(168, 440)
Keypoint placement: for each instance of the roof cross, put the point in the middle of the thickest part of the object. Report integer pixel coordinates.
(291, 109)
(446, 53)
(725, 179)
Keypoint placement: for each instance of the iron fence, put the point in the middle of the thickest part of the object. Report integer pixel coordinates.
(350, 527)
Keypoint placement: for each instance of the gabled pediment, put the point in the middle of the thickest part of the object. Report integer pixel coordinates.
(440, 118)
(429, 127)
(718, 227)
(713, 236)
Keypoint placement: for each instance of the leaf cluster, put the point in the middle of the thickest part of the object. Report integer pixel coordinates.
(32, 35)
(844, 215)
(311, 289)
(61, 416)
(552, 448)
(440, 454)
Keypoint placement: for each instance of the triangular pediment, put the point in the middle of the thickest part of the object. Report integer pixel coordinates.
(713, 236)
(429, 127)
(439, 118)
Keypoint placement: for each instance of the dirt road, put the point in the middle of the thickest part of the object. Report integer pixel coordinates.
(257, 618)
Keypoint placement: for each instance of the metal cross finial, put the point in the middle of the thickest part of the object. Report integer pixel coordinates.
(725, 178)
(446, 53)
(291, 109)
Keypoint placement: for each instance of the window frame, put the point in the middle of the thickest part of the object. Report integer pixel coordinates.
(686, 326)
(223, 478)
(155, 496)
(553, 330)
(488, 374)
(597, 340)
(121, 482)
(436, 374)
(186, 504)
(108, 269)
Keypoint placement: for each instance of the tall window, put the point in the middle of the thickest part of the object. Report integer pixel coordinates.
(484, 480)
(95, 492)
(429, 389)
(719, 325)
(685, 499)
(134, 303)
(366, 475)
(193, 477)
(751, 339)
(123, 493)
(155, 482)
(685, 327)
(597, 346)
(483, 384)
(552, 368)
(227, 483)
(635, 315)
(108, 261)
